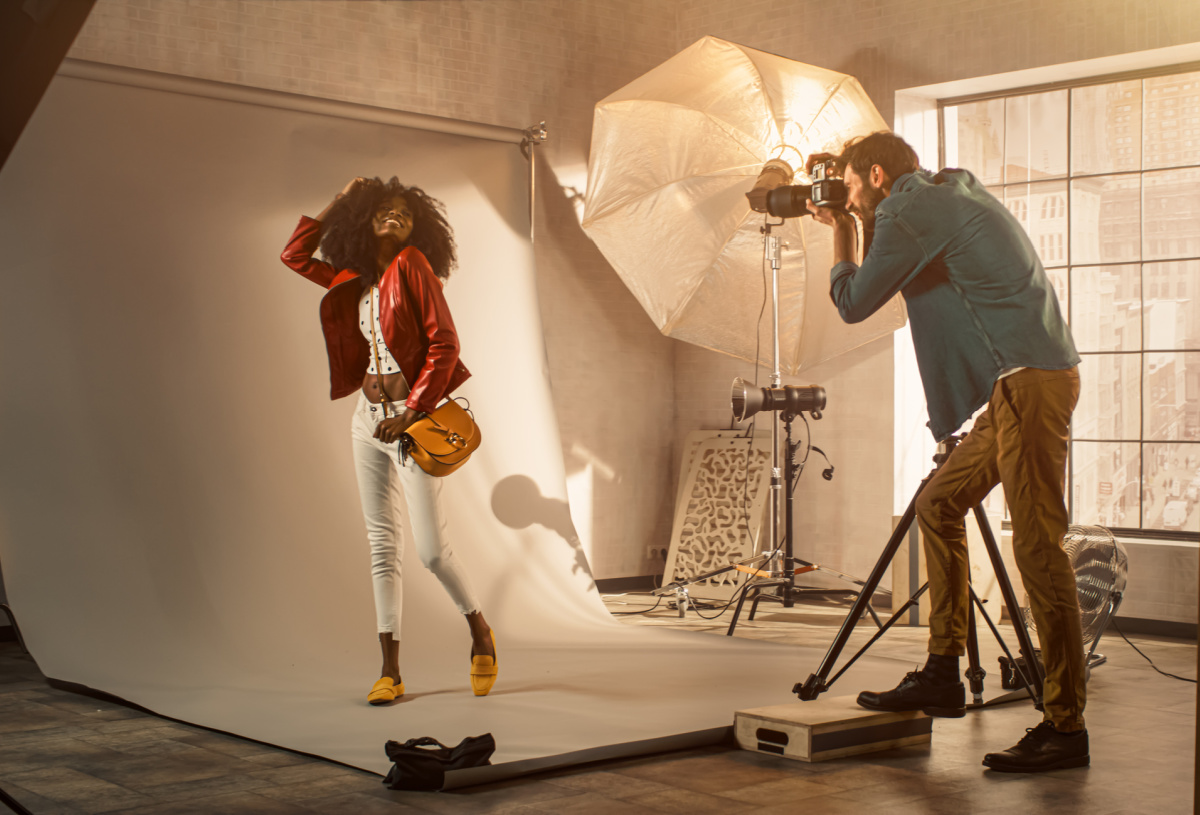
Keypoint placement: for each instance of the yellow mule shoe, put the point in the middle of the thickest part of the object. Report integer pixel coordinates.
(385, 690)
(483, 671)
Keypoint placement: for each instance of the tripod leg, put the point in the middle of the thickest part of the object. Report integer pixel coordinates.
(975, 672)
(1033, 666)
(816, 683)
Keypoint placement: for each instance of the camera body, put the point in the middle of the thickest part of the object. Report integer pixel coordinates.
(826, 190)
(790, 200)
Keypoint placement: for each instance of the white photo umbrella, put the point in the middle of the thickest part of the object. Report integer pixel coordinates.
(673, 154)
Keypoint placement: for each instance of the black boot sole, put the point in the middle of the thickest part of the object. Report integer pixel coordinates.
(1064, 764)
(937, 712)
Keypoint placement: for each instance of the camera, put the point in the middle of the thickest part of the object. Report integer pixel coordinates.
(774, 194)
(826, 190)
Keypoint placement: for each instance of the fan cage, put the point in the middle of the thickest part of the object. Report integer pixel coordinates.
(1101, 567)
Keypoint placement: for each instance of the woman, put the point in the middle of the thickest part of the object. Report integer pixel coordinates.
(390, 337)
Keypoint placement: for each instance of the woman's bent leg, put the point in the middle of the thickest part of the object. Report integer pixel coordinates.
(422, 493)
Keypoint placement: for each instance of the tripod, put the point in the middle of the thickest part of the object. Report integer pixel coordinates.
(1028, 671)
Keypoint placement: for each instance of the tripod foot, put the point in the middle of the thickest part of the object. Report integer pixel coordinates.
(810, 688)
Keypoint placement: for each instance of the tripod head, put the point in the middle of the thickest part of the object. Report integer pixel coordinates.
(946, 447)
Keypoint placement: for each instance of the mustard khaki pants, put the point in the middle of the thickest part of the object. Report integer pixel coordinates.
(1020, 441)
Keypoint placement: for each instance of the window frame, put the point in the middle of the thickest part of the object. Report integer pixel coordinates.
(1068, 265)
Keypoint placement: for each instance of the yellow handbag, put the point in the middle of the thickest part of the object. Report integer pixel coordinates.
(442, 442)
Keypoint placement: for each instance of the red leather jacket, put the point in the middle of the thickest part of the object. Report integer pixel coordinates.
(420, 334)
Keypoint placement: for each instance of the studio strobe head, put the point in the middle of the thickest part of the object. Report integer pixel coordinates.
(747, 400)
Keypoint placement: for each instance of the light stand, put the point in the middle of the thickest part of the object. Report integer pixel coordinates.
(783, 567)
(773, 248)
(780, 570)
(773, 194)
(784, 580)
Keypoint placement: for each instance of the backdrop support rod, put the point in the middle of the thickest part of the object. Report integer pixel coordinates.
(533, 136)
(262, 97)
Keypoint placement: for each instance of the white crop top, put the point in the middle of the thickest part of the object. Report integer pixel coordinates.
(368, 309)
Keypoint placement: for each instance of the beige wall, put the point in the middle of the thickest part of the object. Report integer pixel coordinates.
(894, 44)
(515, 62)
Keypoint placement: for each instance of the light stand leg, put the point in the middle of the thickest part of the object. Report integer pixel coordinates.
(738, 611)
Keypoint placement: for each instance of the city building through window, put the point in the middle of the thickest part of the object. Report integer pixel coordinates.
(1104, 175)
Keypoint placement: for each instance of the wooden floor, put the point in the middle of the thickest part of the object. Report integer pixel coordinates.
(62, 753)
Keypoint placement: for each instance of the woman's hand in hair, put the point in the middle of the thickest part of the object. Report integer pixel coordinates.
(349, 188)
(390, 430)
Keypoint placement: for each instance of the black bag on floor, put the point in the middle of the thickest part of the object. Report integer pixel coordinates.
(421, 764)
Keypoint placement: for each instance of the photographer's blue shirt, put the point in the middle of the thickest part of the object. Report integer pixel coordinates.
(979, 301)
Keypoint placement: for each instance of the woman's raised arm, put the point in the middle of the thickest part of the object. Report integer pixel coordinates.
(298, 254)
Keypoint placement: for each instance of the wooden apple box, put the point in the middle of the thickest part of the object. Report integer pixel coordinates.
(827, 728)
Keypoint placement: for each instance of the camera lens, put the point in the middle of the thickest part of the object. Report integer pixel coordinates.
(789, 202)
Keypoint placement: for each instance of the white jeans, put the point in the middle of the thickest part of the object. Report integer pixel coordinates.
(379, 473)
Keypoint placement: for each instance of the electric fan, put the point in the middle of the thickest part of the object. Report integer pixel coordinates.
(1101, 571)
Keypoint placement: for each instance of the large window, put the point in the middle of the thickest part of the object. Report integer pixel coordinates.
(1105, 177)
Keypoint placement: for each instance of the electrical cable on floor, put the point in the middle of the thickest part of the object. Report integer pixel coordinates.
(1148, 659)
(741, 590)
(657, 600)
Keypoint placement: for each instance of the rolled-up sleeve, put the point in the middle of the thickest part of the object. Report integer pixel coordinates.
(894, 259)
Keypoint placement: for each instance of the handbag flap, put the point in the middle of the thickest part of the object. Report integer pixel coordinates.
(448, 429)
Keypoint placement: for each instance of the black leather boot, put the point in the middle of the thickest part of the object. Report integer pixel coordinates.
(1043, 748)
(919, 690)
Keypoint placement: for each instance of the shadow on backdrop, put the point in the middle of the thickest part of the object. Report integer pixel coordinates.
(518, 504)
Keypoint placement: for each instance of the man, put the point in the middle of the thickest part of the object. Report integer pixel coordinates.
(987, 330)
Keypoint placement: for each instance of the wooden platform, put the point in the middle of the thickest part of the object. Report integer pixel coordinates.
(827, 728)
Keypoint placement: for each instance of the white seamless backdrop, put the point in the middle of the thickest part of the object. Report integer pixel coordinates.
(178, 496)
(179, 522)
